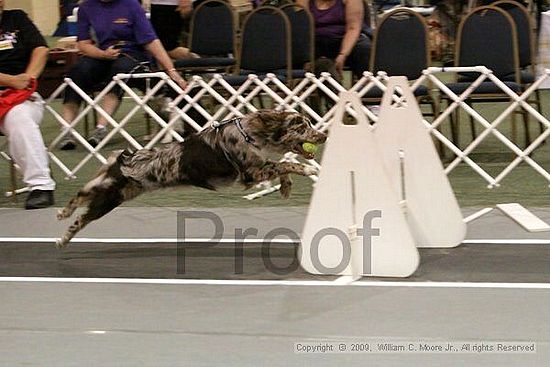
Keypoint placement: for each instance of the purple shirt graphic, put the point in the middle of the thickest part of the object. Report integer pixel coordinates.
(115, 22)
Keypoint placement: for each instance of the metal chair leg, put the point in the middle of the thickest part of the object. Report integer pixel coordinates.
(472, 122)
(435, 114)
(514, 128)
(455, 125)
(13, 179)
(538, 105)
(525, 116)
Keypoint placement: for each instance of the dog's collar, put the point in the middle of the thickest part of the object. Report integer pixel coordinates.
(237, 121)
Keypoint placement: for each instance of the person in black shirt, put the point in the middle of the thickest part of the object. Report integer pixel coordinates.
(23, 55)
(169, 18)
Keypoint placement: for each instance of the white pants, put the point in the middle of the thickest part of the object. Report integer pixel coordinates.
(21, 127)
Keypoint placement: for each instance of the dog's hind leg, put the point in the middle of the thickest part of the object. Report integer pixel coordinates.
(78, 224)
(81, 221)
(101, 204)
(84, 195)
(80, 199)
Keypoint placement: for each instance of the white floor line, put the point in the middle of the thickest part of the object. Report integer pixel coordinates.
(145, 240)
(317, 283)
(524, 241)
(288, 241)
(477, 215)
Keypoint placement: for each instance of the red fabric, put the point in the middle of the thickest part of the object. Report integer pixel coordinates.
(12, 97)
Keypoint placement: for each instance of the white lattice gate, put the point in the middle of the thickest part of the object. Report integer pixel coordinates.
(227, 101)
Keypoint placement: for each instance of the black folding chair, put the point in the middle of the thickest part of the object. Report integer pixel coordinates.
(487, 36)
(213, 37)
(303, 39)
(4, 154)
(400, 47)
(526, 47)
(265, 46)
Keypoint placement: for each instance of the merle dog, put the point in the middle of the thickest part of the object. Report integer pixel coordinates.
(233, 150)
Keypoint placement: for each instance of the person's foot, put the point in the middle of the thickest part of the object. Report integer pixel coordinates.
(68, 143)
(98, 135)
(39, 199)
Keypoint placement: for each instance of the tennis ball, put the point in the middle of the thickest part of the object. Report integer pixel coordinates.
(309, 147)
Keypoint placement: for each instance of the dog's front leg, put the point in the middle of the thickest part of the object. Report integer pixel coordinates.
(272, 170)
(286, 186)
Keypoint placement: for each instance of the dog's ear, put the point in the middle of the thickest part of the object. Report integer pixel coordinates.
(294, 118)
(269, 118)
(277, 134)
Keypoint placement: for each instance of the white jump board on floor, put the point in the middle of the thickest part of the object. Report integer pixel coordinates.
(524, 218)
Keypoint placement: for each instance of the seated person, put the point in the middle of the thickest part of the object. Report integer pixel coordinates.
(340, 34)
(23, 55)
(168, 20)
(124, 36)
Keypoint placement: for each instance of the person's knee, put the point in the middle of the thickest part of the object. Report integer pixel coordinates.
(362, 47)
(81, 72)
(83, 80)
(87, 74)
(126, 65)
(19, 123)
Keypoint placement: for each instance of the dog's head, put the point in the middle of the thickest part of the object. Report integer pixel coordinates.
(283, 132)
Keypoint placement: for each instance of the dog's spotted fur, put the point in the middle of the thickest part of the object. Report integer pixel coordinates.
(217, 156)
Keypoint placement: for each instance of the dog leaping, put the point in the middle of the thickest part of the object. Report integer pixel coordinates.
(221, 154)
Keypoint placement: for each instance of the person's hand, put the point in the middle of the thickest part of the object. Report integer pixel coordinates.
(20, 81)
(111, 53)
(175, 76)
(339, 64)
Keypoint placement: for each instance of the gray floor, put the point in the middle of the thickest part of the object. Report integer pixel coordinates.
(110, 324)
(191, 325)
(131, 222)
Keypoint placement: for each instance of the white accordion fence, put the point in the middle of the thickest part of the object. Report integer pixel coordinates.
(229, 101)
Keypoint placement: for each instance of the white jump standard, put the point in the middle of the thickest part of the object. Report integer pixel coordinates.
(381, 193)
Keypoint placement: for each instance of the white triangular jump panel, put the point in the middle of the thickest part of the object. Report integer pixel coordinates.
(354, 191)
(416, 171)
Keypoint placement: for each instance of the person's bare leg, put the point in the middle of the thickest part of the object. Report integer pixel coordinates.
(110, 104)
(69, 112)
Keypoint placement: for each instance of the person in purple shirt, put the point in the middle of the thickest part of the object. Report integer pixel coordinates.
(124, 38)
(340, 33)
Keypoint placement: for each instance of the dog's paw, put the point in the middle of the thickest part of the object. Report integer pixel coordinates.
(61, 214)
(60, 243)
(64, 213)
(310, 170)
